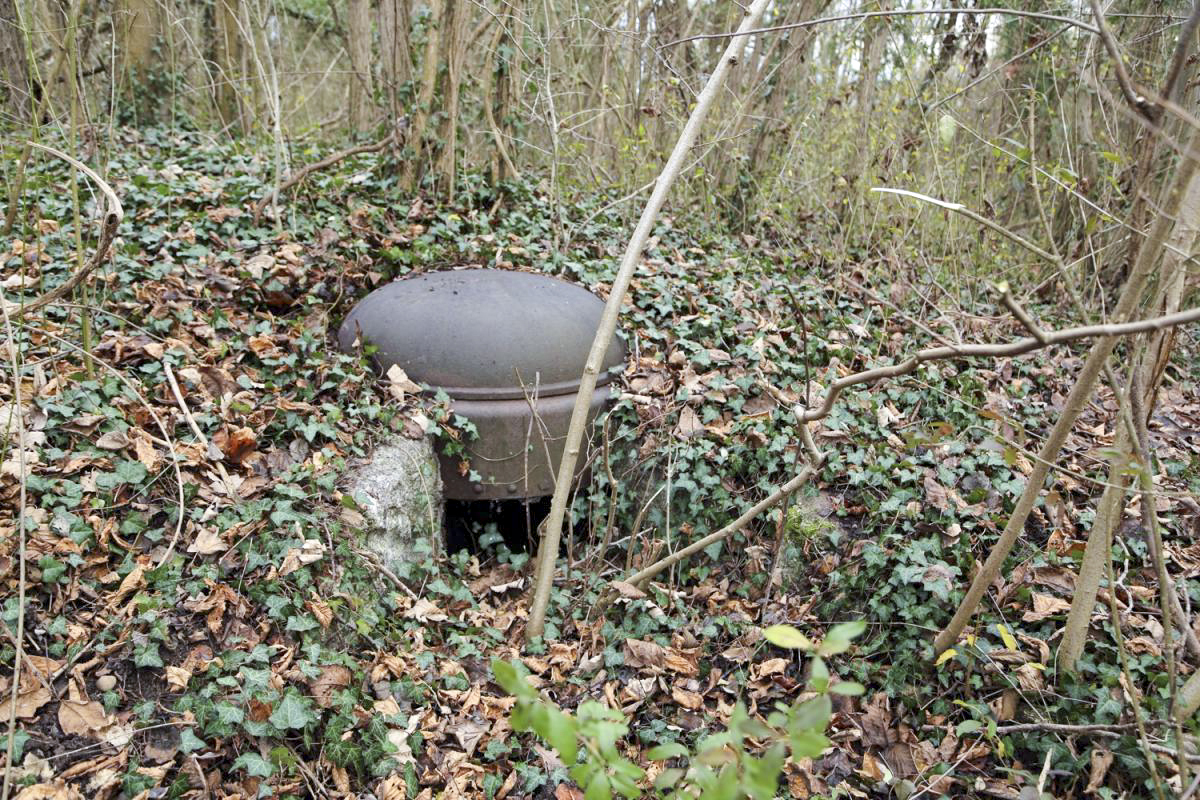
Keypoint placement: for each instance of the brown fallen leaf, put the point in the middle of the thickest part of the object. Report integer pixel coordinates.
(235, 445)
(684, 663)
(627, 590)
(689, 424)
(135, 580)
(640, 653)
(296, 557)
(692, 701)
(772, 666)
(333, 678)
(1102, 759)
(177, 677)
(425, 611)
(113, 440)
(49, 791)
(469, 733)
(30, 700)
(146, 452)
(393, 787)
(565, 791)
(1045, 605)
(82, 717)
(321, 610)
(207, 543)
(399, 383)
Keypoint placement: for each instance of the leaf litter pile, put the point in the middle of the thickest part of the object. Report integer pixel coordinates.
(202, 621)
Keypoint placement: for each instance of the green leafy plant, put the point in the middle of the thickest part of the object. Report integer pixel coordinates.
(721, 766)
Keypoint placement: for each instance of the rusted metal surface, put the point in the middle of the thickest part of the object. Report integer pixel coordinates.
(501, 344)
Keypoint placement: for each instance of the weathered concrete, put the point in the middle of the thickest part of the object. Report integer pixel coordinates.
(399, 490)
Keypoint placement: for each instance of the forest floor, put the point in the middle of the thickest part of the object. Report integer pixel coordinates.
(216, 631)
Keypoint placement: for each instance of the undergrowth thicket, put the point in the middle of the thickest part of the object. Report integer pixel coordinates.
(267, 655)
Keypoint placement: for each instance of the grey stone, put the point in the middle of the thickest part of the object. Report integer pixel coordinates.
(399, 490)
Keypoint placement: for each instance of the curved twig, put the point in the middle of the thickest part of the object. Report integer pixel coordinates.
(1019, 347)
(1136, 99)
(108, 230)
(816, 458)
(905, 12)
(1182, 47)
(316, 166)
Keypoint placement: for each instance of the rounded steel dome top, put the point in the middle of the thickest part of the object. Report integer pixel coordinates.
(483, 333)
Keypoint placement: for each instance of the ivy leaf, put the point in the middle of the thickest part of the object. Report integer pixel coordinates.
(230, 714)
(293, 711)
(189, 742)
(255, 765)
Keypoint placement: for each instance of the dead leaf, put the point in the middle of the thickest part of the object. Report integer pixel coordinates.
(1101, 760)
(689, 423)
(876, 722)
(49, 791)
(693, 701)
(82, 718)
(425, 611)
(678, 661)
(1045, 605)
(177, 677)
(310, 552)
(30, 700)
(639, 653)
(393, 787)
(399, 384)
(469, 733)
(207, 542)
(146, 453)
(1030, 677)
(333, 678)
(772, 666)
(113, 440)
(133, 581)
(321, 610)
(237, 445)
(565, 791)
(627, 590)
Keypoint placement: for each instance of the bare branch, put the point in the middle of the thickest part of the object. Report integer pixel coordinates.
(1022, 315)
(1136, 100)
(1019, 347)
(958, 208)
(908, 12)
(553, 523)
(782, 493)
(1182, 47)
(328, 161)
(108, 230)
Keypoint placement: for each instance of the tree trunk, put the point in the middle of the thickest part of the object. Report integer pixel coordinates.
(456, 24)
(137, 27)
(395, 68)
(227, 53)
(1152, 363)
(358, 29)
(14, 68)
(873, 47)
(429, 73)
